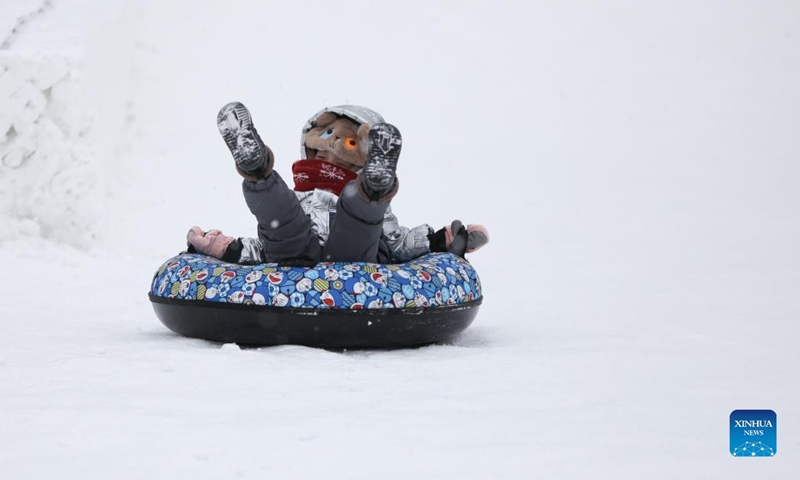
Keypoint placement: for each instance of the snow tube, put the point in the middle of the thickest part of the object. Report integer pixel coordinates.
(329, 305)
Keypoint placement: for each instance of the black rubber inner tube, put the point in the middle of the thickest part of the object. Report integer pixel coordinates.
(251, 325)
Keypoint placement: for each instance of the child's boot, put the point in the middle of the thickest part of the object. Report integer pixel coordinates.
(254, 160)
(378, 180)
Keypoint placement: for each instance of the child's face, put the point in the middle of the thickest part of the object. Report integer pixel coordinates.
(331, 157)
(334, 139)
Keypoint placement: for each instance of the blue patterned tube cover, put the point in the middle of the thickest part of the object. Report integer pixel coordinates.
(435, 279)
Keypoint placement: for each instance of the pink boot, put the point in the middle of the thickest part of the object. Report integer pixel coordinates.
(212, 243)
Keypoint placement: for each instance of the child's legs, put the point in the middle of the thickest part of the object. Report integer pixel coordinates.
(283, 227)
(357, 228)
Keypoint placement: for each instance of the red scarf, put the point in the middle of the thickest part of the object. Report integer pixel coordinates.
(310, 174)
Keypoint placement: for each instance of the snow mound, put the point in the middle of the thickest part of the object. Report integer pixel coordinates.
(48, 172)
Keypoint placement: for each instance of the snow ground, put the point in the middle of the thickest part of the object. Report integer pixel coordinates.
(642, 155)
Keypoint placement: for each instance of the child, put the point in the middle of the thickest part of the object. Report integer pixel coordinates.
(339, 209)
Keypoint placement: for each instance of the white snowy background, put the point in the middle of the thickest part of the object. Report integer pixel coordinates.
(637, 163)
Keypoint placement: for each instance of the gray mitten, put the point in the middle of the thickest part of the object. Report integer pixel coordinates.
(459, 239)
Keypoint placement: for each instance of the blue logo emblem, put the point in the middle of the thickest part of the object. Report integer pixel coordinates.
(753, 433)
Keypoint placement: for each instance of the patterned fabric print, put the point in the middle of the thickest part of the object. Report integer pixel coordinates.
(432, 280)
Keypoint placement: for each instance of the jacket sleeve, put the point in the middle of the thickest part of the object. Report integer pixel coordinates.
(245, 251)
(405, 243)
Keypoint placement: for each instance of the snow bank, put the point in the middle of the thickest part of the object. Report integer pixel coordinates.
(53, 102)
(48, 172)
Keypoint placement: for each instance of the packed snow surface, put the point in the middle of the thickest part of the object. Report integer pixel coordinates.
(636, 163)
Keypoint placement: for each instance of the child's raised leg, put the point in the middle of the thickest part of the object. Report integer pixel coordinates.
(356, 230)
(283, 227)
